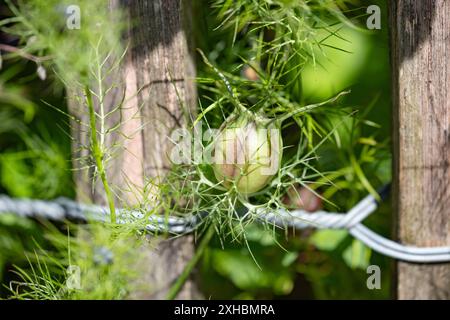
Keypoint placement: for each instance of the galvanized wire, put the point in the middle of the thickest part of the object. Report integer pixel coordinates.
(65, 209)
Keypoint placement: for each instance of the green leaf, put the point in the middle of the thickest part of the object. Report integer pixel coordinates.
(289, 258)
(357, 256)
(241, 269)
(328, 239)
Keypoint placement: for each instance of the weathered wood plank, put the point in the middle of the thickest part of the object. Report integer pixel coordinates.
(420, 44)
(159, 59)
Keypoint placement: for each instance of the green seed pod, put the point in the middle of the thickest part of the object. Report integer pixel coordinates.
(247, 153)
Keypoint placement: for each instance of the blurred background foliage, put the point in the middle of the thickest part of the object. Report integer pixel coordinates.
(323, 264)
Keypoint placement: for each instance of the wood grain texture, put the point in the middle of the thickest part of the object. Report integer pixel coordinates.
(157, 78)
(420, 44)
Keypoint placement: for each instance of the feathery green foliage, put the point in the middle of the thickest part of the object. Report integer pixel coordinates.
(262, 48)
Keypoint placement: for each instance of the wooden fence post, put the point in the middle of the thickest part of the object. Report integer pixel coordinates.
(420, 45)
(157, 76)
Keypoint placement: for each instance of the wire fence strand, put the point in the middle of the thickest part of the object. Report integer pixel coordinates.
(62, 209)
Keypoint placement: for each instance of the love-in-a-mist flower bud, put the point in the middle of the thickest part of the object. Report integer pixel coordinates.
(247, 153)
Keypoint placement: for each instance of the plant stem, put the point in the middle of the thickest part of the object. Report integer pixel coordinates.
(23, 54)
(224, 79)
(98, 154)
(176, 287)
(100, 96)
(309, 107)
